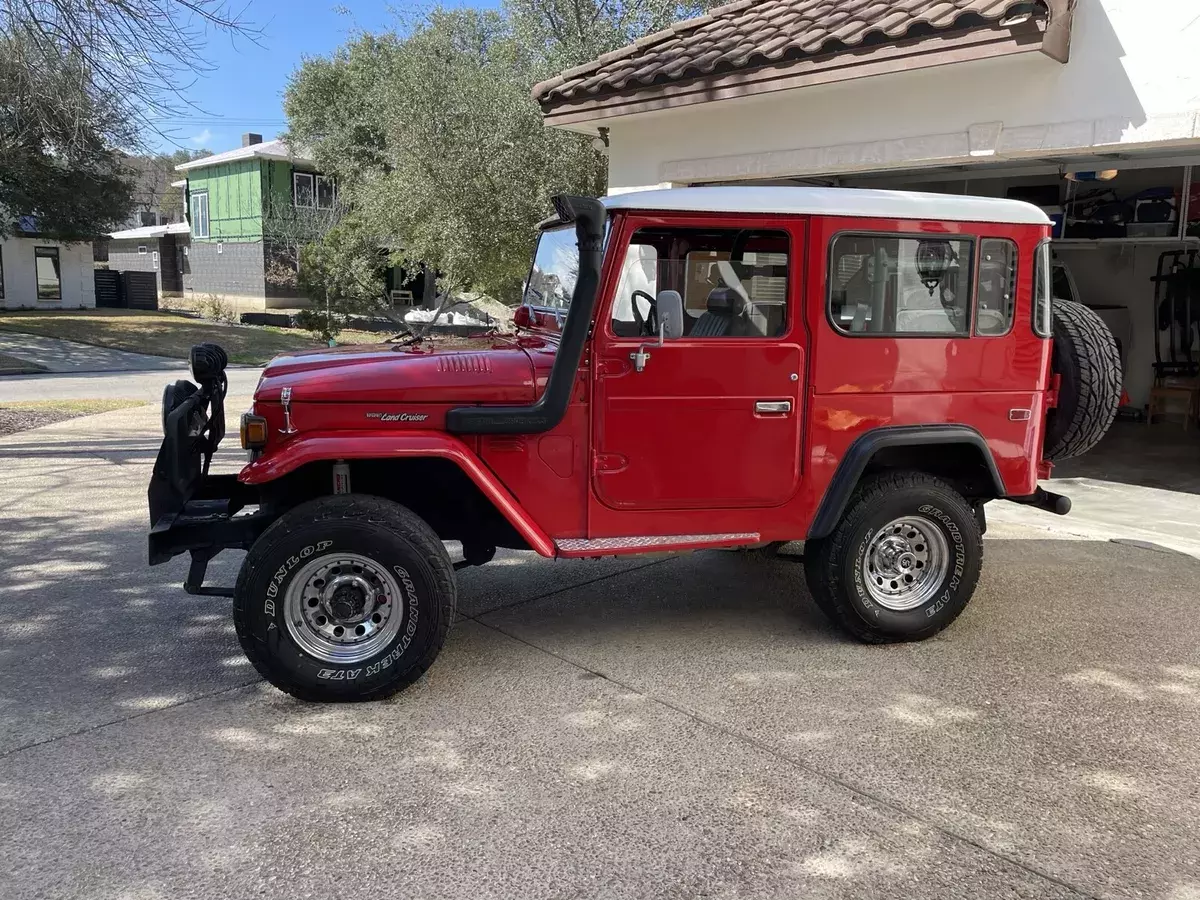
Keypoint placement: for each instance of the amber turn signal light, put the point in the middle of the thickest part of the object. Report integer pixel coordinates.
(254, 432)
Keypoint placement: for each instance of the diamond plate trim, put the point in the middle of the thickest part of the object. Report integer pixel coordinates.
(576, 545)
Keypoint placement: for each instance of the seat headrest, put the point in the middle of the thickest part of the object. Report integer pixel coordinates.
(725, 301)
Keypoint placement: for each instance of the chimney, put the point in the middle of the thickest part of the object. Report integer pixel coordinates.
(251, 138)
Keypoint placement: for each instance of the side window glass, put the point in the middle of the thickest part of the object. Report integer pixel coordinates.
(639, 278)
(1041, 291)
(733, 282)
(879, 284)
(997, 293)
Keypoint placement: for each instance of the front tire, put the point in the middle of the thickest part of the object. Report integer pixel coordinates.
(901, 564)
(345, 598)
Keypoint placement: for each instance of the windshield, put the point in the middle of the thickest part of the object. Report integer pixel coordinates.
(555, 269)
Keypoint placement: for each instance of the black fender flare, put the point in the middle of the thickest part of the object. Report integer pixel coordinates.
(850, 470)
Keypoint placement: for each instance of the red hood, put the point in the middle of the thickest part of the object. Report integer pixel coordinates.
(481, 370)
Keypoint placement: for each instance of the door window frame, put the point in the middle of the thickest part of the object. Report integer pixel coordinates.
(794, 227)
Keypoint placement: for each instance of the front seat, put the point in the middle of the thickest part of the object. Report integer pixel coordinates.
(724, 303)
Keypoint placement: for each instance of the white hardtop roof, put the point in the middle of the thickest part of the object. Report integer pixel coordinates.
(150, 231)
(275, 149)
(822, 201)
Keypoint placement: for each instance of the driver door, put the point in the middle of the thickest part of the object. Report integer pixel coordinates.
(713, 418)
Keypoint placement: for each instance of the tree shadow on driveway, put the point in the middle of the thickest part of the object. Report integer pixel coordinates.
(631, 722)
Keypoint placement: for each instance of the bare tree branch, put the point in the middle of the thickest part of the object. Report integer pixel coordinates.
(141, 55)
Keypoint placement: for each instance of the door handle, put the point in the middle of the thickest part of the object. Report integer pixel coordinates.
(773, 406)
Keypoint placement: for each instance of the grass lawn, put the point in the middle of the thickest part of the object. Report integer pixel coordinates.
(164, 334)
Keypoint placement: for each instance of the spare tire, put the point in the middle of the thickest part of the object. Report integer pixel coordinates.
(1086, 356)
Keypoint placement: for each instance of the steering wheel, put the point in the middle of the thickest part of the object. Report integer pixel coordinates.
(648, 325)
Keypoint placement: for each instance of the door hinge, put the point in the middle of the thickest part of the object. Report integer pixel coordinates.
(610, 462)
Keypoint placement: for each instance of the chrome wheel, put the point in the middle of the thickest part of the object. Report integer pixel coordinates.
(343, 608)
(905, 563)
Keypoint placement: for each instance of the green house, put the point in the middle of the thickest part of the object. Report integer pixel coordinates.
(248, 210)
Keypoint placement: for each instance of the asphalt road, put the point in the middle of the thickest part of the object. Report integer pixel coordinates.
(677, 728)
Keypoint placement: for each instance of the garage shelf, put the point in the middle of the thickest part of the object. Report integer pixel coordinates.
(1112, 242)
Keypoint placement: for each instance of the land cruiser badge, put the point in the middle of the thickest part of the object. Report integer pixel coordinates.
(397, 417)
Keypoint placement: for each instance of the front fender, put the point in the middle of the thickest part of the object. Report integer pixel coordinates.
(330, 445)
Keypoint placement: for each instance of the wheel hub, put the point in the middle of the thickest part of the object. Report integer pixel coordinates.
(342, 608)
(346, 597)
(905, 563)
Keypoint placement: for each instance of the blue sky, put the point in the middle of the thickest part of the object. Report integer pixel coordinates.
(245, 90)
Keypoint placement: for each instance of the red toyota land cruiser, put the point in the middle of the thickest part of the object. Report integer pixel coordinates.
(720, 367)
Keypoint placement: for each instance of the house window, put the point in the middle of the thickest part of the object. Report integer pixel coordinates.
(154, 258)
(49, 274)
(894, 285)
(141, 249)
(325, 192)
(200, 214)
(302, 189)
(997, 296)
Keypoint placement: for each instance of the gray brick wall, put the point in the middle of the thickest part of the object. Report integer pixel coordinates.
(123, 255)
(237, 269)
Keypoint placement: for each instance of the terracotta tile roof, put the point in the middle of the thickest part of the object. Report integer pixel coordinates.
(750, 33)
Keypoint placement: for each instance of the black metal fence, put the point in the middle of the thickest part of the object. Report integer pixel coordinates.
(126, 290)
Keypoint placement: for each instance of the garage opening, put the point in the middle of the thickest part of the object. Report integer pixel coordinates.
(1127, 244)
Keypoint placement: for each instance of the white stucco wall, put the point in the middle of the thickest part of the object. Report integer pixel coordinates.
(1132, 83)
(20, 276)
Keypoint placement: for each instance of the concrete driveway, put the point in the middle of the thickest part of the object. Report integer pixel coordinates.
(680, 728)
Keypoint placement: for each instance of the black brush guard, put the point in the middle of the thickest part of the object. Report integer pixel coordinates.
(191, 510)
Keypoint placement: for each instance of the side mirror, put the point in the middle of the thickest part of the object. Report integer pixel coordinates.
(669, 306)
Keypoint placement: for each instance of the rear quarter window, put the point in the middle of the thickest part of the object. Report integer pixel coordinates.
(900, 285)
(996, 297)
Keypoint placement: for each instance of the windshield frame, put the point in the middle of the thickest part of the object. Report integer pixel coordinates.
(558, 312)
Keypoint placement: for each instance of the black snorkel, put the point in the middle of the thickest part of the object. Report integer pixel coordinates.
(588, 215)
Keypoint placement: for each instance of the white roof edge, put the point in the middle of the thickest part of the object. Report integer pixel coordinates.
(821, 201)
(150, 231)
(273, 149)
(182, 182)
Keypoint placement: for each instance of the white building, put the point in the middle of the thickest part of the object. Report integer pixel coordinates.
(990, 97)
(36, 273)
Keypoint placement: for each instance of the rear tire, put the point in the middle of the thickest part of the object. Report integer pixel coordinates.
(1088, 360)
(345, 598)
(901, 564)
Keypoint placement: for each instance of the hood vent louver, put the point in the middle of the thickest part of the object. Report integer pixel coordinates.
(476, 363)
